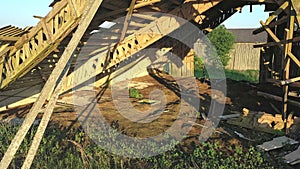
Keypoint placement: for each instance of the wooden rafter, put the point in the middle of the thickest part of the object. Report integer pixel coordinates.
(278, 43)
(53, 81)
(32, 48)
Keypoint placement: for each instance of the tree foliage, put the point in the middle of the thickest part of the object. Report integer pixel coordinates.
(223, 41)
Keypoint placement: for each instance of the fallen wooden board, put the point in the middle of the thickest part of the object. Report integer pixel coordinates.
(277, 143)
(251, 123)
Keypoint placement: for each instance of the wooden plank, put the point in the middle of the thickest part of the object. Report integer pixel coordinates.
(9, 38)
(270, 32)
(74, 11)
(270, 44)
(277, 98)
(286, 66)
(294, 58)
(59, 71)
(288, 81)
(41, 129)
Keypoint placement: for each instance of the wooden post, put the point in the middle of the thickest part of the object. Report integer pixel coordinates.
(286, 64)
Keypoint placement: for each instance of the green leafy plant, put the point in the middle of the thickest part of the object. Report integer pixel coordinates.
(223, 41)
(134, 93)
(74, 149)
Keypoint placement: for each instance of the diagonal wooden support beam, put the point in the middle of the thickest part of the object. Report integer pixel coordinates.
(278, 43)
(127, 20)
(141, 39)
(54, 80)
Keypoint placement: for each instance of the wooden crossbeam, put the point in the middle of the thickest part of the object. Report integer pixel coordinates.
(54, 80)
(277, 41)
(289, 81)
(282, 42)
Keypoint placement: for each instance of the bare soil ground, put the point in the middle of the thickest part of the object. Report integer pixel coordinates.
(239, 95)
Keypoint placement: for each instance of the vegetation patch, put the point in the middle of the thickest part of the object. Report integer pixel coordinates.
(74, 149)
(244, 75)
(134, 93)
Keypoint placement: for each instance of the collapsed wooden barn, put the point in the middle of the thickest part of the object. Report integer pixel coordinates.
(37, 67)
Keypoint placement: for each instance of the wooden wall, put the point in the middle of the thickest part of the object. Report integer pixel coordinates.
(244, 57)
(185, 70)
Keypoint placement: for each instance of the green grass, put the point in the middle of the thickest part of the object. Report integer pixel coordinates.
(134, 93)
(73, 149)
(245, 75)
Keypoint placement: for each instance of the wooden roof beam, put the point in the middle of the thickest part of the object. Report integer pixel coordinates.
(9, 38)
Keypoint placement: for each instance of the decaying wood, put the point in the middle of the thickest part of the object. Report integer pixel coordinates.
(32, 48)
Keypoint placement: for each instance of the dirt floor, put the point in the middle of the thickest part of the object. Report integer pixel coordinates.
(163, 112)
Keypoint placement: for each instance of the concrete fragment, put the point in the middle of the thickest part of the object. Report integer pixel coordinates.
(276, 143)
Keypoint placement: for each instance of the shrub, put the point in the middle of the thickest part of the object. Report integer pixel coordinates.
(223, 41)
